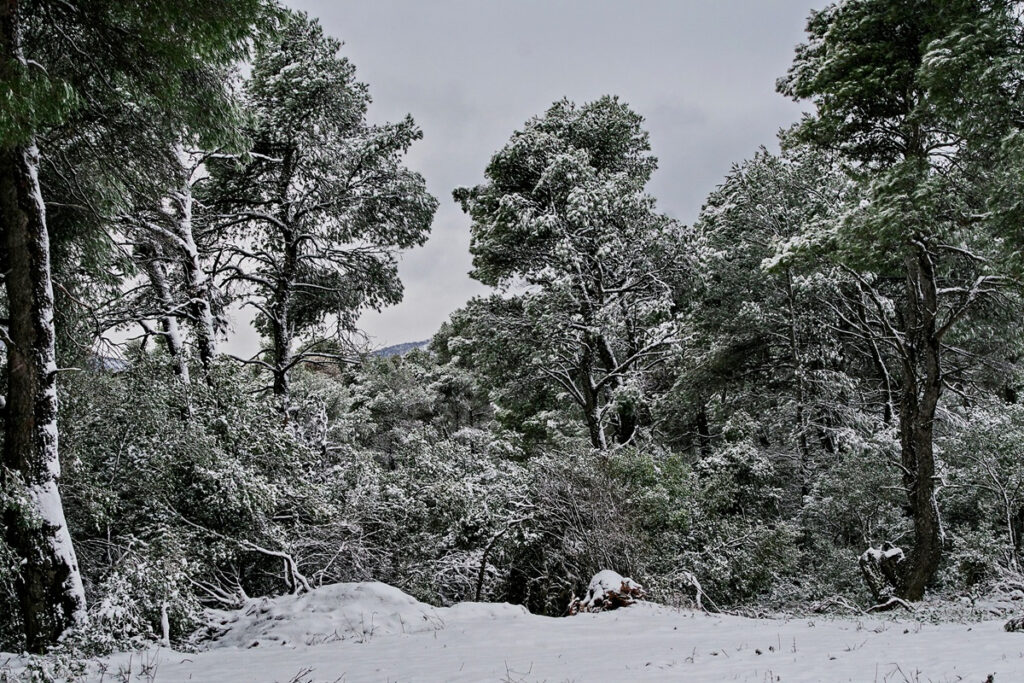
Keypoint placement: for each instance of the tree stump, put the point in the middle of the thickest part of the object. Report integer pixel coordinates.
(882, 571)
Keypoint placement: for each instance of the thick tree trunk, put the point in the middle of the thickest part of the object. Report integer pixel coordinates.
(920, 391)
(49, 585)
(197, 286)
(592, 416)
(282, 358)
(703, 430)
(626, 420)
(282, 329)
(591, 402)
(281, 337)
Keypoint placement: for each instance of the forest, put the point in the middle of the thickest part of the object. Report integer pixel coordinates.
(809, 400)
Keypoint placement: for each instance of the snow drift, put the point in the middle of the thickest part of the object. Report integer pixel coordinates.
(342, 611)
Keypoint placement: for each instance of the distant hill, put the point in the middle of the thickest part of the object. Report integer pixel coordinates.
(401, 349)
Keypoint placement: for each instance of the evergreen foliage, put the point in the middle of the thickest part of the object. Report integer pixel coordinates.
(829, 359)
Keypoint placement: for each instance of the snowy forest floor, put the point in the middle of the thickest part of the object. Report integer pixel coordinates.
(373, 632)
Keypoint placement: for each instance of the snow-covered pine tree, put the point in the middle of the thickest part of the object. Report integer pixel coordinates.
(765, 335)
(884, 77)
(564, 212)
(321, 203)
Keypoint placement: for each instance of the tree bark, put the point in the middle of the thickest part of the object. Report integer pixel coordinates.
(920, 392)
(625, 414)
(197, 282)
(703, 430)
(153, 258)
(281, 326)
(49, 586)
(591, 400)
(282, 330)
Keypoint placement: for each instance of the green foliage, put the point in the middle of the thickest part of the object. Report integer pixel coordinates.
(31, 102)
(572, 169)
(322, 195)
(719, 404)
(151, 56)
(217, 469)
(563, 210)
(985, 495)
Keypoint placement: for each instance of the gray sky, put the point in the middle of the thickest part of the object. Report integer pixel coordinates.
(471, 72)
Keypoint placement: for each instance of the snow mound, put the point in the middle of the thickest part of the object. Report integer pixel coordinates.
(607, 590)
(341, 611)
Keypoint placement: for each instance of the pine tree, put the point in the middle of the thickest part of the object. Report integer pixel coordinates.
(879, 74)
(322, 202)
(564, 212)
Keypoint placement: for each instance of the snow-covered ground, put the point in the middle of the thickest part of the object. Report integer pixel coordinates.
(373, 632)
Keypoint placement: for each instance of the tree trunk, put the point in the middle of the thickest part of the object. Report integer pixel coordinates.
(282, 340)
(801, 393)
(197, 282)
(281, 326)
(920, 391)
(703, 430)
(592, 416)
(591, 401)
(49, 586)
(153, 261)
(626, 420)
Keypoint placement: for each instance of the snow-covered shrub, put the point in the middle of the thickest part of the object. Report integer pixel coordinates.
(10, 625)
(409, 489)
(577, 526)
(983, 501)
(148, 589)
(715, 523)
(173, 492)
(852, 505)
(424, 524)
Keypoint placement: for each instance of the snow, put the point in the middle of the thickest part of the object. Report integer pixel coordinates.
(608, 584)
(340, 611)
(606, 580)
(46, 503)
(373, 632)
(885, 553)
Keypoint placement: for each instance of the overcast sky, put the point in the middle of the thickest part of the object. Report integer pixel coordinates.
(702, 72)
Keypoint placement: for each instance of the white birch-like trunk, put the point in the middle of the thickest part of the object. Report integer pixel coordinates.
(197, 282)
